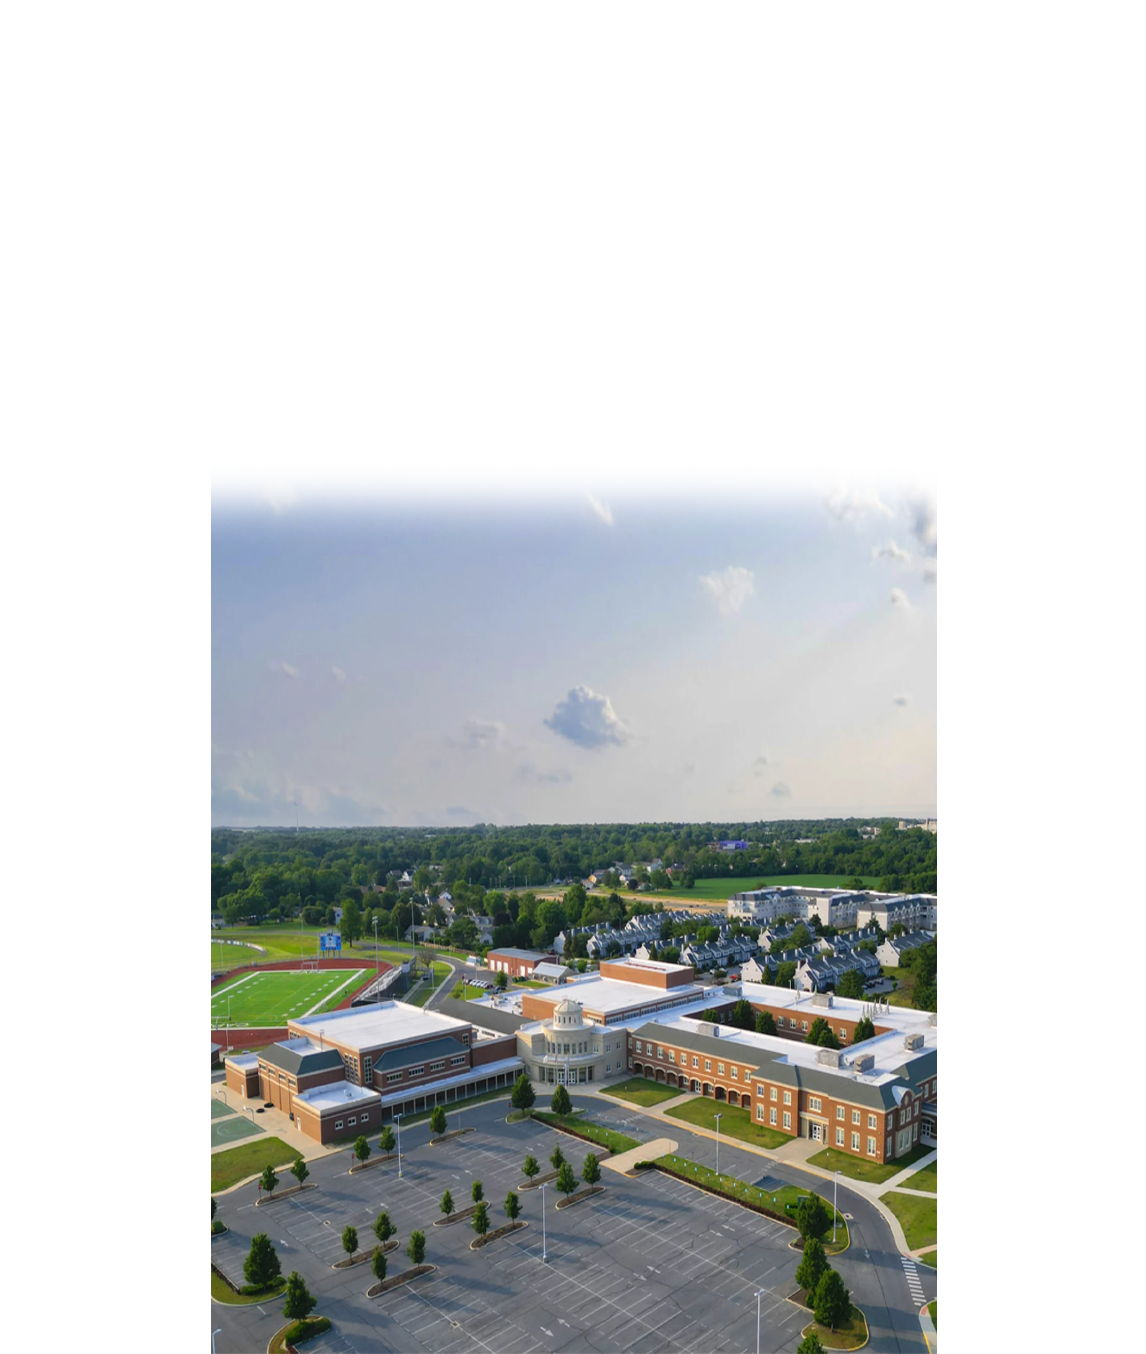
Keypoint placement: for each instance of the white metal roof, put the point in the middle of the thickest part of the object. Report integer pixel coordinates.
(338, 1095)
(609, 994)
(383, 1022)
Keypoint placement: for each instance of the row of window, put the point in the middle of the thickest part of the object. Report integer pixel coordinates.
(364, 1118)
(733, 1072)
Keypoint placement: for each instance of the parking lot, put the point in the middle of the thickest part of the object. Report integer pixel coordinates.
(651, 1264)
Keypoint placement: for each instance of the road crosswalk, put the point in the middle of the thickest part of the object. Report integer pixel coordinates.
(911, 1274)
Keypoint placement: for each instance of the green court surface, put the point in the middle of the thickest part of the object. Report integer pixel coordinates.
(219, 1110)
(232, 1129)
(274, 998)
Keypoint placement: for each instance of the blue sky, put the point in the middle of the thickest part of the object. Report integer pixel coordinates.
(574, 661)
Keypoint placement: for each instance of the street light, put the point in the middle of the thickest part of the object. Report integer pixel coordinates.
(375, 949)
(718, 1146)
(398, 1121)
(835, 1181)
(759, 1295)
(213, 1334)
(544, 1256)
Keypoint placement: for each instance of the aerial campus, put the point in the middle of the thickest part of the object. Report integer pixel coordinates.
(586, 1143)
(574, 924)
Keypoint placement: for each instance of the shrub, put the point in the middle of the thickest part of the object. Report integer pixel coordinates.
(447, 1204)
(438, 1120)
(561, 1104)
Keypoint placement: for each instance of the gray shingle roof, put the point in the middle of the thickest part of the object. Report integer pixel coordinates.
(488, 1017)
(301, 1062)
(417, 1053)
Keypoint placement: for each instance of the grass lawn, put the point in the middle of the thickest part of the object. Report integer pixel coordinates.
(274, 998)
(852, 1335)
(228, 1168)
(222, 1291)
(734, 1122)
(293, 942)
(916, 1215)
(466, 991)
(933, 1309)
(425, 992)
(607, 1137)
(855, 1168)
(926, 1179)
(776, 1200)
(297, 1332)
(642, 1091)
(928, 1259)
(722, 888)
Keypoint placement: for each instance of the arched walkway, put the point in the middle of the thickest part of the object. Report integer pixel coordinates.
(720, 1095)
(733, 1098)
(707, 1089)
(660, 1074)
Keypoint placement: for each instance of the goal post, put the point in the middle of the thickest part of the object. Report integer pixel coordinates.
(310, 965)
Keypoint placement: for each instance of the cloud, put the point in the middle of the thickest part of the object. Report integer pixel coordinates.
(853, 505)
(338, 672)
(924, 523)
(529, 772)
(690, 769)
(902, 700)
(890, 551)
(277, 665)
(781, 791)
(602, 510)
(281, 497)
(929, 572)
(730, 589)
(760, 763)
(588, 719)
(899, 598)
(481, 733)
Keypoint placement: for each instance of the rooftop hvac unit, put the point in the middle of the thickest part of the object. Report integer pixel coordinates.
(716, 1031)
(912, 1041)
(828, 1057)
(821, 998)
(864, 1063)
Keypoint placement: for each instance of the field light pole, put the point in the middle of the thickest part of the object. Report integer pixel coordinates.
(717, 1146)
(544, 1256)
(375, 949)
(398, 1121)
(759, 1295)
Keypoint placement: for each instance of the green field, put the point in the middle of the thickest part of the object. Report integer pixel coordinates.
(642, 1091)
(734, 1122)
(858, 1168)
(273, 998)
(927, 1178)
(291, 942)
(228, 1168)
(725, 888)
(917, 1216)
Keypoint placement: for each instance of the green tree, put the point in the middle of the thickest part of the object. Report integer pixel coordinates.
(561, 1104)
(350, 1240)
(812, 1217)
(851, 984)
(214, 1205)
(300, 1170)
(438, 1120)
(261, 1268)
(591, 1171)
(361, 1148)
(557, 1157)
(833, 1302)
(822, 1034)
(812, 1265)
(864, 1030)
(530, 1167)
(386, 1141)
(416, 1247)
(481, 1219)
(523, 1094)
(299, 1300)
(566, 1180)
(810, 1344)
(765, 1024)
(785, 973)
(383, 1227)
(268, 1180)
(743, 1017)
(476, 1192)
(512, 1206)
(351, 925)
(378, 1264)
(447, 1204)
(501, 982)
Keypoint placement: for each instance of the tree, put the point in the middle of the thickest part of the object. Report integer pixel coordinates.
(566, 1180)
(261, 1268)
(864, 1030)
(501, 982)
(812, 1266)
(523, 1093)
(765, 1024)
(350, 1239)
(300, 1170)
(812, 1217)
(378, 1264)
(557, 1158)
(361, 1148)
(447, 1204)
(351, 921)
(386, 1141)
(438, 1120)
(785, 973)
(300, 1302)
(591, 1171)
(743, 1017)
(833, 1302)
(416, 1248)
(810, 1344)
(481, 1219)
(851, 984)
(822, 1034)
(476, 1192)
(214, 1205)
(383, 1227)
(268, 1180)
(561, 1104)
(512, 1206)
(530, 1167)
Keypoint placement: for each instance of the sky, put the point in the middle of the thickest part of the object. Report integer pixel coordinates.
(578, 660)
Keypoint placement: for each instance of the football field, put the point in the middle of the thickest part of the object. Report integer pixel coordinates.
(276, 997)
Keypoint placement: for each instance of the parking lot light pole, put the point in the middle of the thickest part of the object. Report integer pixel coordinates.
(717, 1146)
(544, 1256)
(213, 1334)
(398, 1121)
(759, 1295)
(835, 1181)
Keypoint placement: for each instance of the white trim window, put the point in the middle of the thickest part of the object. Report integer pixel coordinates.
(814, 1103)
(855, 1116)
(871, 1147)
(760, 1112)
(772, 1093)
(787, 1099)
(772, 1117)
(855, 1142)
(338, 1125)
(787, 1120)
(871, 1121)
(351, 1121)
(839, 1112)
(839, 1137)
(708, 1064)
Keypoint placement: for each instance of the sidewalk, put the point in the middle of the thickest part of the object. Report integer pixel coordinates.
(907, 1173)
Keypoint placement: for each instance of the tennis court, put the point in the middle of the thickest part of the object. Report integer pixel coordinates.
(274, 998)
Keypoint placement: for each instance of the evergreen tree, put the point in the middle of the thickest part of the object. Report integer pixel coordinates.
(378, 1264)
(416, 1247)
(361, 1148)
(523, 1094)
(833, 1303)
(383, 1227)
(530, 1167)
(812, 1265)
(476, 1192)
(561, 1104)
(299, 1300)
(765, 1024)
(812, 1217)
(438, 1120)
(261, 1268)
(557, 1158)
(350, 1240)
(864, 1030)
(566, 1180)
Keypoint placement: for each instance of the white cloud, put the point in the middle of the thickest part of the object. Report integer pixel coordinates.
(929, 572)
(602, 510)
(899, 598)
(853, 505)
(588, 719)
(902, 700)
(277, 665)
(925, 523)
(281, 497)
(690, 769)
(528, 771)
(781, 791)
(890, 551)
(730, 589)
(338, 672)
(482, 733)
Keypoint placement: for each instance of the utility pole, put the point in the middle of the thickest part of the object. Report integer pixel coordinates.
(718, 1146)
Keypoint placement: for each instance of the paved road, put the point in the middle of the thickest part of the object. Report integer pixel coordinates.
(650, 1266)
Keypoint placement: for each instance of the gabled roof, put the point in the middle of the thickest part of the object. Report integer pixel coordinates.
(299, 1057)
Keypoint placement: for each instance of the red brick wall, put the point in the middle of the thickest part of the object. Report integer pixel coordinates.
(647, 977)
(494, 1050)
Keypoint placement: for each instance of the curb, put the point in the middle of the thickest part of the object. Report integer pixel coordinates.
(580, 1198)
(422, 1270)
(480, 1243)
(866, 1327)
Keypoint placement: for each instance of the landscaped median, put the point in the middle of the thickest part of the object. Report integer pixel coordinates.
(779, 1204)
(734, 1122)
(241, 1163)
(297, 1332)
(397, 1280)
(481, 1241)
(223, 1290)
(585, 1129)
(918, 1216)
